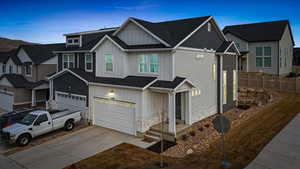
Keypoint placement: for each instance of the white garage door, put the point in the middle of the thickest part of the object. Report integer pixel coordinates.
(70, 101)
(116, 115)
(6, 100)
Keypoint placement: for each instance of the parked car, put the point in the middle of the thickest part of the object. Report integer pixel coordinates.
(39, 122)
(15, 116)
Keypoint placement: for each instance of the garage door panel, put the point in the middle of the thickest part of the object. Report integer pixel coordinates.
(6, 101)
(116, 115)
(71, 101)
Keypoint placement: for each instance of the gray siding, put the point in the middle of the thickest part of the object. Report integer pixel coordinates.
(286, 44)
(229, 64)
(200, 73)
(239, 42)
(204, 39)
(69, 83)
(133, 35)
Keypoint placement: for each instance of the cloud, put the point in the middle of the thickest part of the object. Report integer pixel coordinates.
(136, 7)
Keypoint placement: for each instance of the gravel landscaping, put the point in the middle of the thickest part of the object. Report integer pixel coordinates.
(202, 134)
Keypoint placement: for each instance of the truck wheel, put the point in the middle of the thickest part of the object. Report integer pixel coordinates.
(23, 140)
(69, 125)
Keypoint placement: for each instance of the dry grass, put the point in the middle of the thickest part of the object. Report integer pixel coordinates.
(243, 143)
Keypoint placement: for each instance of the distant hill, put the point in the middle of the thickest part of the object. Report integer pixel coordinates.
(9, 44)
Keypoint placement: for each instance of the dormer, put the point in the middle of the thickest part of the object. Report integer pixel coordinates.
(74, 40)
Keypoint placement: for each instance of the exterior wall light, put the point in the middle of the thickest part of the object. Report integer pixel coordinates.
(111, 94)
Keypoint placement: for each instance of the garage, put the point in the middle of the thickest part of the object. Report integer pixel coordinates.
(114, 114)
(7, 100)
(70, 101)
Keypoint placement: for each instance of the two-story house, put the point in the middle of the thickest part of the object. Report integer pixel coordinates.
(265, 47)
(23, 78)
(132, 76)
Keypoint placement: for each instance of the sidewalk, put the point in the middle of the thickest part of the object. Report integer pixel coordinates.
(6, 163)
(283, 152)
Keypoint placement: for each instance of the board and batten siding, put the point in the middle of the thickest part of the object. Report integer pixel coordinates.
(286, 43)
(274, 54)
(205, 39)
(200, 73)
(131, 34)
(165, 65)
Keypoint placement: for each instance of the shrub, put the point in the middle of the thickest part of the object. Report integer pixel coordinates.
(200, 128)
(192, 133)
(184, 137)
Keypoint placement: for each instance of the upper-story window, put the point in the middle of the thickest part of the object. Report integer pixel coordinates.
(209, 27)
(108, 58)
(28, 69)
(68, 61)
(263, 57)
(11, 69)
(73, 41)
(149, 63)
(3, 68)
(89, 62)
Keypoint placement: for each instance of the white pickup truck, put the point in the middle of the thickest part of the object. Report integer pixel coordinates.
(39, 122)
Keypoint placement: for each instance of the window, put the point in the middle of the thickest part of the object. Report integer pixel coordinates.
(224, 87)
(10, 69)
(109, 63)
(89, 62)
(68, 61)
(235, 84)
(28, 69)
(214, 72)
(3, 68)
(42, 118)
(143, 63)
(149, 63)
(154, 63)
(73, 41)
(263, 57)
(196, 92)
(209, 27)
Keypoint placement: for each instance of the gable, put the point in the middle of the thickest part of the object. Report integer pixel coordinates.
(237, 40)
(23, 56)
(5, 82)
(202, 38)
(287, 37)
(184, 86)
(131, 34)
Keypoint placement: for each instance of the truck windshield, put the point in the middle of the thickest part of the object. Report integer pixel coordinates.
(28, 119)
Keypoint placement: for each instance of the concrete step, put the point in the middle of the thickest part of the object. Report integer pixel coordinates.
(151, 137)
(157, 134)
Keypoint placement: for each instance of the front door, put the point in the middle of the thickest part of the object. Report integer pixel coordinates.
(178, 106)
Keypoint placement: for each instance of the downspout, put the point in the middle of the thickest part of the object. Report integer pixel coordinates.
(219, 83)
(278, 58)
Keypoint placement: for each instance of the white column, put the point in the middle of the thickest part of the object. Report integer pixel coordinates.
(33, 98)
(189, 108)
(51, 90)
(171, 113)
(247, 62)
(221, 84)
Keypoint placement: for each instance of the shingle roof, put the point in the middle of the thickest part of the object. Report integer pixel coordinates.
(258, 32)
(90, 41)
(41, 53)
(173, 31)
(224, 46)
(19, 81)
(4, 56)
(131, 81)
(168, 84)
(145, 46)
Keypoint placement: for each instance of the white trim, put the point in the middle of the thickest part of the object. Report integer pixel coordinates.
(90, 32)
(116, 86)
(99, 43)
(150, 84)
(85, 67)
(152, 49)
(208, 19)
(220, 30)
(135, 22)
(69, 61)
(59, 92)
(232, 43)
(66, 70)
(78, 51)
(196, 49)
(183, 83)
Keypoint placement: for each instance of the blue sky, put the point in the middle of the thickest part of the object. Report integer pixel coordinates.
(44, 21)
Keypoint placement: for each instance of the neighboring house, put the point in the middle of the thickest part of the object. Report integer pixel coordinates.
(296, 59)
(24, 79)
(129, 76)
(265, 47)
(9, 63)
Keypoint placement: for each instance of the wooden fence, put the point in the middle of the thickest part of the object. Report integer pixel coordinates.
(269, 82)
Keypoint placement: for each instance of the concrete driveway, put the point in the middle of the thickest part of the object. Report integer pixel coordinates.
(71, 148)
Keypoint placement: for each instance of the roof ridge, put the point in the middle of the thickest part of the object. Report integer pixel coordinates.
(256, 23)
(176, 20)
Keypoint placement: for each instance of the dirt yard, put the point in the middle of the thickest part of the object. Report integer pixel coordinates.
(243, 142)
